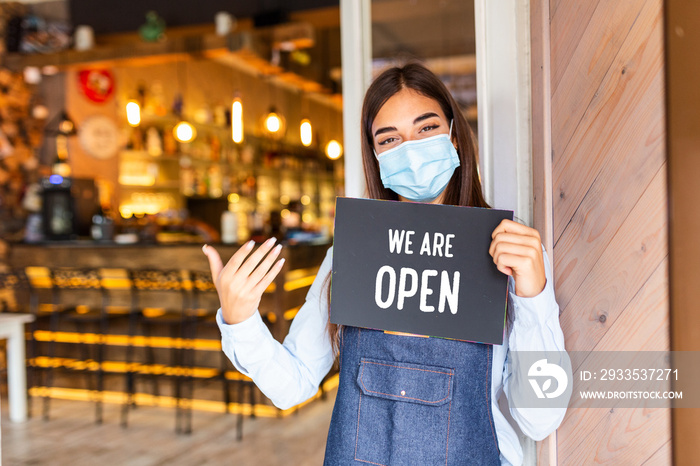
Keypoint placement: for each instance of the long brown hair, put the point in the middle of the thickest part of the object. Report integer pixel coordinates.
(464, 187)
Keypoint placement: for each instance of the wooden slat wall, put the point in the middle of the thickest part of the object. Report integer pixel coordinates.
(609, 213)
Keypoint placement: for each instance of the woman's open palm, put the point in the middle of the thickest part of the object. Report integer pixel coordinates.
(241, 283)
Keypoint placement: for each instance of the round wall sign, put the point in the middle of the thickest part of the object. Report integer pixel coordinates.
(99, 136)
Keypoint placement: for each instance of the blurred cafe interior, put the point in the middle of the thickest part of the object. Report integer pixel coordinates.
(134, 132)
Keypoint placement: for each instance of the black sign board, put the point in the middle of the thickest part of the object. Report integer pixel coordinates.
(418, 268)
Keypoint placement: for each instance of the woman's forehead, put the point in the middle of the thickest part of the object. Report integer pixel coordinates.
(403, 108)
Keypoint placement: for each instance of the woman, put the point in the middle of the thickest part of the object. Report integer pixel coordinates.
(416, 146)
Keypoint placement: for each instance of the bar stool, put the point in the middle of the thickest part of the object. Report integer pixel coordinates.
(72, 287)
(205, 301)
(160, 300)
(41, 299)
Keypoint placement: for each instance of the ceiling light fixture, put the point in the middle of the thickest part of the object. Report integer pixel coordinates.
(237, 121)
(306, 132)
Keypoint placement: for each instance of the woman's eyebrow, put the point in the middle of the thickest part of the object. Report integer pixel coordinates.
(385, 129)
(425, 116)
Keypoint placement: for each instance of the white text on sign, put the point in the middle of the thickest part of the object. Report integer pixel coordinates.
(407, 283)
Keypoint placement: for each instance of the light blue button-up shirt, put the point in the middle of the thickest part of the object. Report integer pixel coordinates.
(290, 373)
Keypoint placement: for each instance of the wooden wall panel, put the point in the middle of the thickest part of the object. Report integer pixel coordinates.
(589, 211)
(609, 213)
(624, 437)
(589, 63)
(643, 327)
(626, 263)
(572, 19)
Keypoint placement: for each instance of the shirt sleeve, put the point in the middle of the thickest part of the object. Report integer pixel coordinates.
(535, 328)
(287, 373)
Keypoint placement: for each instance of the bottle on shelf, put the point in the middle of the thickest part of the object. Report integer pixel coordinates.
(229, 227)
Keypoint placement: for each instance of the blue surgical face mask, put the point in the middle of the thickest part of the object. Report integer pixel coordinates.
(419, 170)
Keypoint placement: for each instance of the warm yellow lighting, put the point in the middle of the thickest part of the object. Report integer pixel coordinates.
(66, 127)
(305, 199)
(237, 121)
(284, 199)
(306, 133)
(273, 122)
(184, 132)
(137, 179)
(307, 218)
(333, 149)
(233, 198)
(133, 113)
(285, 213)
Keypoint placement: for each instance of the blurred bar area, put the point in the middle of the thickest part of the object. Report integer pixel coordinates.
(129, 137)
(138, 138)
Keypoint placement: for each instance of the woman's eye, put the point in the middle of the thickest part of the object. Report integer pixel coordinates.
(429, 128)
(387, 141)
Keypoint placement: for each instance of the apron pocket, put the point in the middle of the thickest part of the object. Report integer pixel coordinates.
(403, 413)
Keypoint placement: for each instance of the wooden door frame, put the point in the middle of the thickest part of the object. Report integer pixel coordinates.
(682, 41)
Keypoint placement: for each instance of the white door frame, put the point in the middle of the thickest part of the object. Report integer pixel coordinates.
(503, 95)
(356, 54)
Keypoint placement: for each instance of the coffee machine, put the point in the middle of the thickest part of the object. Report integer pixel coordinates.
(68, 206)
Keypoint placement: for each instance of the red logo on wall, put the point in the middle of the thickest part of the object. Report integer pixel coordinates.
(97, 85)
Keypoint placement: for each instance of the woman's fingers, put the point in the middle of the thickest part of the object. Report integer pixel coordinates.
(509, 226)
(269, 277)
(262, 269)
(514, 249)
(517, 251)
(506, 253)
(239, 256)
(514, 238)
(215, 263)
(254, 259)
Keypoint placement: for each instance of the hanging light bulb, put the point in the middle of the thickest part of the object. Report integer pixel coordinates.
(272, 122)
(133, 113)
(184, 132)
(333, 149)
(237, 121)
(306, 132)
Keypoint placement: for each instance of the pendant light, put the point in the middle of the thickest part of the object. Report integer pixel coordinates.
(306, 132)
(237, 120)
(334, 150)
(237, 131)
(273, 122)
(305, 128)
(133, 113)
(61, 127)
(183, 131)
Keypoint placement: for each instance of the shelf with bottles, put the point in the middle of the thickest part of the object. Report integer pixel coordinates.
(259, 178)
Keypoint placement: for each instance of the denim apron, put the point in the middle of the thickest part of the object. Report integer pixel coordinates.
(408, 400)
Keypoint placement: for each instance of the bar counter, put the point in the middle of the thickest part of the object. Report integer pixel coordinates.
(100, 332)
(86, 253)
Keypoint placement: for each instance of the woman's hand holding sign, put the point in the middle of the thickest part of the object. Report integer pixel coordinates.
(517, 251)
(241, 283)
